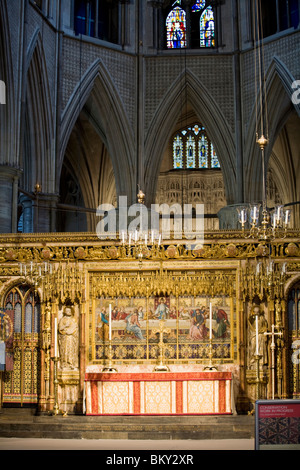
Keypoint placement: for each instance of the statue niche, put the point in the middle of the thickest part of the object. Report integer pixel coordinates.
(68, 340)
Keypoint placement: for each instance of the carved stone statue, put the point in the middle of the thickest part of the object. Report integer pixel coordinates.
(262, 339)
(68, 336)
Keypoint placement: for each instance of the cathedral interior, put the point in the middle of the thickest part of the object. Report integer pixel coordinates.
(118, 114)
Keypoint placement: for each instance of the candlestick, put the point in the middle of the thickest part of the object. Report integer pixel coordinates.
(256, 328)
(287, 217)
(210, 321)
(56, 410)
(55, 337)
(278, 213)
(258, 268)
(210, 366)
(109, 367)
(109, 319)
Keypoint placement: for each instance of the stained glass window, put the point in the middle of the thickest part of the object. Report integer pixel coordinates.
(178, 152)
(207, 28)
(176, 28)
(196, 129)
(199, 5)
(191, 152)
(203, 151)
(192, 149)
(214, 159)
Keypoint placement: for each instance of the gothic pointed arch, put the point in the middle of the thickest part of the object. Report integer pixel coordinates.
(279, 109)
(165, 118)
(98, 98)
(7, 113)
(38, 162)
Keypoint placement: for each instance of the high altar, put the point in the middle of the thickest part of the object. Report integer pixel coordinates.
(92, 327)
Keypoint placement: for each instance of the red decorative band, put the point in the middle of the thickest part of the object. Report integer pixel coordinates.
(157, 376)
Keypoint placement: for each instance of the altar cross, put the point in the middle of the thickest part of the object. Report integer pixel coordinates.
(161, 367)
(273, 334)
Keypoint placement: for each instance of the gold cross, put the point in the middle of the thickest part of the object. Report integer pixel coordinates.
(161, 367)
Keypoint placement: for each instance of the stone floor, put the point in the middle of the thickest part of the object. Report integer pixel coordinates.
(23, 429)
(113, 445)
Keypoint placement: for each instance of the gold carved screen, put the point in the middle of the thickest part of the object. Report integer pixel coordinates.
(140, 300)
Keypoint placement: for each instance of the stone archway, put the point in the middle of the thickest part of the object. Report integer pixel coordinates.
(164, 121)
(97, 96)
(21, 384)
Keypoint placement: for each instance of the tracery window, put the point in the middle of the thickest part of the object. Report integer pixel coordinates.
(207, 28)
(198, 5)
(178, 151)
(283, 15)
(176, 28)
(200, 26)
(22, 374)
(97, 18)
(192, 149)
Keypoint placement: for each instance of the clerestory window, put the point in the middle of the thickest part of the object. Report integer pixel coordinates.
(194, 28)
(283, 15)
(97, 18)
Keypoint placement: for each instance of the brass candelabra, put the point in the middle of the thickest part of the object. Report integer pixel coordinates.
(56, 410)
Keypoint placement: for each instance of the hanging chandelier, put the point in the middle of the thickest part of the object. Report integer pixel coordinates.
(263, 277)
(262, 223)
(140, 243)
(65, 281)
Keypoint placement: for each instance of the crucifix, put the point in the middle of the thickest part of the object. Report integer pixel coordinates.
(161, 367)
(273, 334)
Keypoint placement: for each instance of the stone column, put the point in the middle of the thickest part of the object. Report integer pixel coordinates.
(9, 177)
(44, 212)
(26, 203)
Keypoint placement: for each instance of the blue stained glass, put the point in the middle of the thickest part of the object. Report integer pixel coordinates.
(176, 28)
(207, 28)
(214, 159)
(203, 152)
(191, 152)
(178, 152)
(199, 5)
(192, 149)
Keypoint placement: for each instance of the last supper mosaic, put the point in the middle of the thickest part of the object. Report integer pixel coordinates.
(189, 324)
